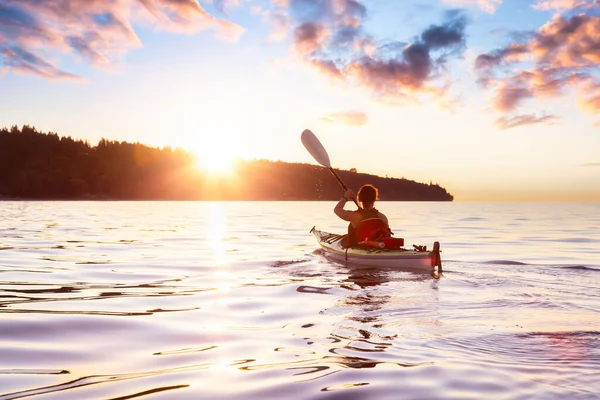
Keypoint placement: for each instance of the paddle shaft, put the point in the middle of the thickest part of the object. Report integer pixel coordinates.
(342, 184)
(316, 149)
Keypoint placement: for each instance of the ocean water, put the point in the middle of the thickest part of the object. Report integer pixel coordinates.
(233, 300)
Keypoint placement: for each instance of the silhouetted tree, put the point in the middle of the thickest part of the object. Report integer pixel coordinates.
(39, 165)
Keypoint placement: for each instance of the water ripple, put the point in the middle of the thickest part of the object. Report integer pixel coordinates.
(123, 300)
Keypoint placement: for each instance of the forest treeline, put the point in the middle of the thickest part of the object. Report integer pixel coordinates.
(38, 165)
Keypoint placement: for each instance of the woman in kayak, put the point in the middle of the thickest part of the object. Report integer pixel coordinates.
(367, 195)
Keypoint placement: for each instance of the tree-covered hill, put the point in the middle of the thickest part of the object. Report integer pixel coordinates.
(39, 165)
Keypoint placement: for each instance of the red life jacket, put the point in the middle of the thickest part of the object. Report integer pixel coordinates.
(372, 231)
(366, 214)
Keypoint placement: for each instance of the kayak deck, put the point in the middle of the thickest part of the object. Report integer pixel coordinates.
(418, 259)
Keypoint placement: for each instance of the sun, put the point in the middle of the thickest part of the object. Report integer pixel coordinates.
(217, 162)
(216, 154)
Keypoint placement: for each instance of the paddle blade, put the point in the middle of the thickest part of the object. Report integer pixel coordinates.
(315, 148)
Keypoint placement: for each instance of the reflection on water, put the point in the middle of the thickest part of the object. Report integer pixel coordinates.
(93, 380)
(232, 300)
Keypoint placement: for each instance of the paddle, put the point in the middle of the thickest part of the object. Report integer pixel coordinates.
(316, 149)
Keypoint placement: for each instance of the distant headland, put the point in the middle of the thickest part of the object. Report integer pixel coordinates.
(46, 166)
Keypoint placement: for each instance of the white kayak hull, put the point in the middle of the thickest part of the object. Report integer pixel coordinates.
(402, 259)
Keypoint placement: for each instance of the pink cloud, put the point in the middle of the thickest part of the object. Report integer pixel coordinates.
(568, 42)
(329, 68)
(280, 24)
(487, 63)
(187, 16)
(21, 61)
(549, 5)
(396, 75)
(589, 97)
(512, 91)
(563, 42)
(525, 119)
(562, 55)
(98, 31)
(508, 98)
(489, 6)
(347, 118)
(309, 37)
(225, 5)
(331, 36)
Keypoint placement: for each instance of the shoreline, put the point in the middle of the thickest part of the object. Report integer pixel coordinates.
(224, 200)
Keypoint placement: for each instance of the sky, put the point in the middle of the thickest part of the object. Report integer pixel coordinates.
(495, 100)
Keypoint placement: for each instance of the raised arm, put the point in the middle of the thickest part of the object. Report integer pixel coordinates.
(346, 215)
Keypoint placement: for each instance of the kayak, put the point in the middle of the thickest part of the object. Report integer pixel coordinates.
(418, 259)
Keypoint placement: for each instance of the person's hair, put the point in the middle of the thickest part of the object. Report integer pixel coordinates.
(368, 194)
